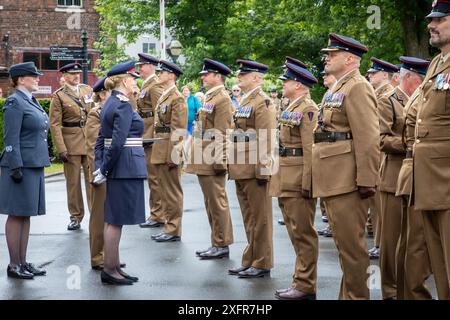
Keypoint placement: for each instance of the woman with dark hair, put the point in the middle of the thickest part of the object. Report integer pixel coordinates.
(120, 162)
(22, 167)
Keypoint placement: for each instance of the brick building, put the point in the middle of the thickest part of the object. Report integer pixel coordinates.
(28, 28)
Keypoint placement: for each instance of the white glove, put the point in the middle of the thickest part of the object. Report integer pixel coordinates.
(96, 172)
(99, 179)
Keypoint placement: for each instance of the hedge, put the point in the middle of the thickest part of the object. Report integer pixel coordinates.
(45, 103)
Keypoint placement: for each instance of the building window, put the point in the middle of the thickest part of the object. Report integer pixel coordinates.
(70, 3)
(148, 47)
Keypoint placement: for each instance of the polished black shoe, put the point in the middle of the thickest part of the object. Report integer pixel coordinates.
(108, 279)
(19, 272)
(253, 272)
(34, 270)
(235, 271)
(294, 294)
(321, 232)
(100, 267)
(127, 276)
(151, 224)
(324, 219)
(327, 233)
(154, 236)
(74, 225)
(278, 291)
(215, 253)
(281, 222)
(167, 237)
(198, 252)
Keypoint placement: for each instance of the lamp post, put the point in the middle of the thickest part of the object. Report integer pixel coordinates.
(174, 50)
(84, 65)
(5, 45)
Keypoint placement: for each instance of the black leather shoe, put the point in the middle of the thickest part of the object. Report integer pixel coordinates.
(277, 292)
(324, 218)
(327, 233)
(151, 224)
(74, 225)
(215, 253)
(253, 272)
(281, 222)
(154, 236)
(321, 232)
(108, 279)
(19, 272)
(34, 270)
(100, 267)
(127, 276)
(167, 237)
(198, 252)
(294, 294)
(235, 271)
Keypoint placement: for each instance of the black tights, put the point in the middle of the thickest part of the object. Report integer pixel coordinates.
(112, 234)
(17, 230)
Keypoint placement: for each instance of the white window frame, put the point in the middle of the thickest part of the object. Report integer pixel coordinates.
(69, 6)
(70, 9)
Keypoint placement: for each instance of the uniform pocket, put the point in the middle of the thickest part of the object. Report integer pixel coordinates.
(291, 173)
(335, 148)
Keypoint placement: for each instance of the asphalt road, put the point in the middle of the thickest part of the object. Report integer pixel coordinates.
(166, 270)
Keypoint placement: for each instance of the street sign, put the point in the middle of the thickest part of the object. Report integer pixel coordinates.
(43, 90)
(66, 53)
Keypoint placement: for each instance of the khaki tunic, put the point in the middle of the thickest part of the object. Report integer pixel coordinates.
(146, 105)
(384, 89)
(209, 154)
(256, 113)
(171, 112)
(294, 174)
(339, 168)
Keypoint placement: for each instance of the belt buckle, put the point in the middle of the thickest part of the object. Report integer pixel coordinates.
(82, 123)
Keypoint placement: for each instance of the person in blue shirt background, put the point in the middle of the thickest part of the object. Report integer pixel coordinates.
(193, 106)
(120, 161)
(22, 165)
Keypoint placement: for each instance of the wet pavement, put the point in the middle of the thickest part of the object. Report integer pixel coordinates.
(166, 270)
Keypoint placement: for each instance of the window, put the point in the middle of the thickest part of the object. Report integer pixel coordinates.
(48, 64)
(32, 57)
(148, 47)
(70, 3)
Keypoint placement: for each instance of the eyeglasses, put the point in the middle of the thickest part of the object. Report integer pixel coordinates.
(236, 90)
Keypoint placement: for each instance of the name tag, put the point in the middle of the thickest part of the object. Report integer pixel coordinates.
(334, 100)
(244, 112)
(208, 107)
(442, 81)
(291, 119)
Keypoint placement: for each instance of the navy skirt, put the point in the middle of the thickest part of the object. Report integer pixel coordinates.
(125, 201)
(24, 199)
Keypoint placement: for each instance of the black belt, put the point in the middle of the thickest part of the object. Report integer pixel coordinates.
(80, 124)
(291, 152)
(162, 129)
(331, 136)
(243, 137)
(147, 114)
(409, 154)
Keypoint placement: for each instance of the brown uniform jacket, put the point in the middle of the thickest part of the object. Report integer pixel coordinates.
(384, 89)
(146, 103)
(171, 112)
(404, 182)
(390, 108)
(63, 108)
(340, 167)
(431, 151)
(92, 130)
(215, 117)
(294, 173)
(256, 112)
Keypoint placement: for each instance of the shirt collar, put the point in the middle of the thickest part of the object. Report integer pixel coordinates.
(27, 93)
(148, 79)
(214, 89)
(75, 89)
(250, 92)
(343, 78)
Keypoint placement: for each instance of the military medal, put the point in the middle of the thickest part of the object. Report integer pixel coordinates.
(447, 79)
(164, 109)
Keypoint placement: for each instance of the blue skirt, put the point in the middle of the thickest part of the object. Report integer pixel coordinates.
(125, 201)
(24, 199)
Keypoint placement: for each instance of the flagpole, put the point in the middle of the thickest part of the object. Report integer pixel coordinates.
(162, 23)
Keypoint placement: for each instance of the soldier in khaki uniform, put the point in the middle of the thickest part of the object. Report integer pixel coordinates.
(170, 123)
(380, 75)
(68, 112)
(346, 160)
(292, 183)
(250, 166)
(431, 151)
(412, 260)
(97, 193)
(146, 104)
(391, 112)
(208, 157)
(275, 100)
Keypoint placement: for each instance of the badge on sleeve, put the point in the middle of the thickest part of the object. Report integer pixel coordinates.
(208, 107)
(310, 115)
(88, 98)
(8, 148)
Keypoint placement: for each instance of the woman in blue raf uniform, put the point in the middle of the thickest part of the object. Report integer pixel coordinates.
(22, 163)
(120, 161)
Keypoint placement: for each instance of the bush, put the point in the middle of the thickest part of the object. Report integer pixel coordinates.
(45, 103)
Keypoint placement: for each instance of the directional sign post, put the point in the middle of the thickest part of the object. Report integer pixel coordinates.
(66, 53)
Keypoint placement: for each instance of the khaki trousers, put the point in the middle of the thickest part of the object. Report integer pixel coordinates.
(348, 215)
(172, 197)
(217, 209)
(256, 208)
(391, 211)
(155, 199)
(437, 236)
(72, 172)
(96, 224)
(413, 262)
(298, 214)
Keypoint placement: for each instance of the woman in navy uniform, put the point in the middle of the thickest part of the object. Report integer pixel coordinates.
(22, 164)
(120, 161)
